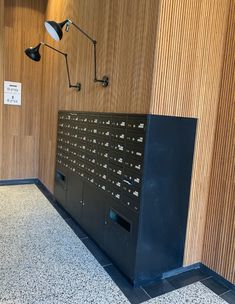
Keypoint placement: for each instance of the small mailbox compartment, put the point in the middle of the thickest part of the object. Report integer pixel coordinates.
(119, 121)
(103, 153)
(115, 170)
(132, 178)
(103, 133)
(118, 134)
(135, 150)
(118, 146)
(131, 190)
(91, 148)
(134, 164)
(137, 123)
(117, 158)
(114, 191)
(104, 120)
(135, 138)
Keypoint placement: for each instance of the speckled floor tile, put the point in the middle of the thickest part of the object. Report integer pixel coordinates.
(42, 261)
(41, 258)
(196, 293)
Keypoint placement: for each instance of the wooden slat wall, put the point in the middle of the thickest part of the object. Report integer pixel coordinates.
(188, 64)
(1, 74)
(125, 31)
(219, 242)
(178, 73)
(20, 125)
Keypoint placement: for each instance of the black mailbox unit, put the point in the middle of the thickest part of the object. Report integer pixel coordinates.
(125, 179)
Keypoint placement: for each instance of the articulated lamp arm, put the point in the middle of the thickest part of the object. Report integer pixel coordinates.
(55, 30)
(33, 53)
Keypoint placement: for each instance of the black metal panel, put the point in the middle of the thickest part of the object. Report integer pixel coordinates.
(165, 195)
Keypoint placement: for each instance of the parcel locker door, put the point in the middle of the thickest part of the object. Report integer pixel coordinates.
(93, 220)
(74, 196)
(120, 240)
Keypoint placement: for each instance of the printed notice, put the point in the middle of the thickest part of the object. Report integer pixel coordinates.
(12, 93)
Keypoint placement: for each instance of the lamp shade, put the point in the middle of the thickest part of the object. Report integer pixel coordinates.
(33, 52)
(55, 29)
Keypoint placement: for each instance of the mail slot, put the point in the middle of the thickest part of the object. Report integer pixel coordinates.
(61, 179)
(132, 177)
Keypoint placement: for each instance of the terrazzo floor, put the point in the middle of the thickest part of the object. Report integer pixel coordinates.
(43, 261)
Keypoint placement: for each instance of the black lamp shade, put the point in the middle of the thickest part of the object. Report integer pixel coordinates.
(33, 52)
(55, 29)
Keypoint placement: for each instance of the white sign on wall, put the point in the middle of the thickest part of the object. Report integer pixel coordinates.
(12, 93)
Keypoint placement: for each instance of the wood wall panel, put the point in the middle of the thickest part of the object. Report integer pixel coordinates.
(161, 56)
(20, 125)
(125, 31)
(187, 75)
(1, 73)
(219, 242)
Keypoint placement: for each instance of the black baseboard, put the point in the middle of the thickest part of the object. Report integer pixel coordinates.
(218, 277)
(45, 191)
(165, 275)
(180, 270)
(29, 181)
(204, 268)
(12, 182)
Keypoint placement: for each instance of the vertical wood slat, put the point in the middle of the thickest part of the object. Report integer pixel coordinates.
(1, 75)
(219, 241)
(20, 125)
(186, 82)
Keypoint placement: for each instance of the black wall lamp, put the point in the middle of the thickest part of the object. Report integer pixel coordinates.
(33, 53)
(56, 32)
